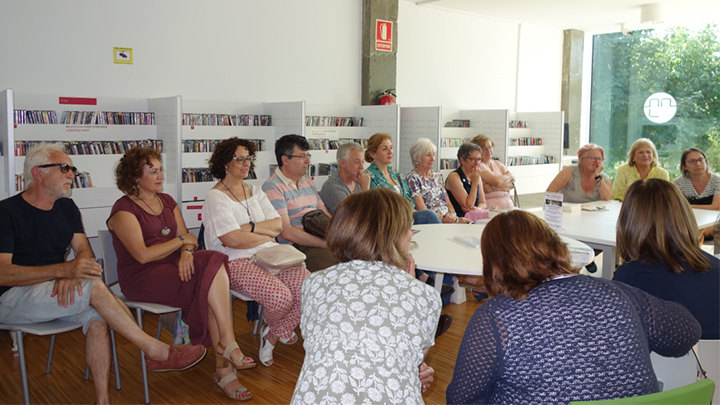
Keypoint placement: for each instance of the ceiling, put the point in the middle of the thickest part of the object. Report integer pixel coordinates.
(585, 15)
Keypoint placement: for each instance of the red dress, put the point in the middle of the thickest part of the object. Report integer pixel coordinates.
(159, 281)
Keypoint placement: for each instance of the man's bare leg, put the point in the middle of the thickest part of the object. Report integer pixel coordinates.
(97, 356)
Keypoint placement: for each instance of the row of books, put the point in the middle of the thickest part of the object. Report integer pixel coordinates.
(449, 164)
(107, 118)
(82, 180)
(517, 124)
(458, 124)
(202, 174)
(208, 145)
(332, 144)
(35, 117)
(452, 142)
(329, 121)
(529, 160)
(525, 141)
(92, 147)
(233, 120)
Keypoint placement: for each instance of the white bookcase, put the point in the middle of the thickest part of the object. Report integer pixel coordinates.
(286, 118)
(375, 119)
(96, 202)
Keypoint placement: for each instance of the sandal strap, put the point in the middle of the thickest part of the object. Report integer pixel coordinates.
(227, 380)
(229, 349)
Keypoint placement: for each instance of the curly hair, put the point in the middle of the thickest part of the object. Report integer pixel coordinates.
(223, 154)
(130, 168)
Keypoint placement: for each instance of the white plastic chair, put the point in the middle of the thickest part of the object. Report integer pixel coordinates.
(43, 329)
(110, 274)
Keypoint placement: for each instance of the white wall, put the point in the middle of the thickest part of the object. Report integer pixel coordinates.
(252, 50)
(273, 50)
(461, 61)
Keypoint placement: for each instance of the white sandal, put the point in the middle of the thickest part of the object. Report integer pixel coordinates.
(266, 348)
(291, 340)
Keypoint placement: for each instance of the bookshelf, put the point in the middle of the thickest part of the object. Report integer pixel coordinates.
(374, 119)
(95, 203)
(283, 118)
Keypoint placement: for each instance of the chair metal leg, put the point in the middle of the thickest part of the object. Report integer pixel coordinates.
(50, 354)
(139, 311)
(23, 369)
(87, 373)
(115, 360)
(258, 322)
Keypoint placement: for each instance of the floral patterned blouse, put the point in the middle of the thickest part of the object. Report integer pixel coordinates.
(431, 190)
(365, 325)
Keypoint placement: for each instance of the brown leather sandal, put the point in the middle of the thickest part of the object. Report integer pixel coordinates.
(239, 394)
(241, 364)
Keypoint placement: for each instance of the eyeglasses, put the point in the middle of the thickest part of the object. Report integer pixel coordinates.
(304, 156)
(64, 167)
(243, 159)
(595, 158)
(693, 161)
(487, 149)
(472, 159)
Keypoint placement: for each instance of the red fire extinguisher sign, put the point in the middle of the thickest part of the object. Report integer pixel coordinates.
(383, 35)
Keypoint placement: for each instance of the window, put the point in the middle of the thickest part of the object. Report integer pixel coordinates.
(627, 69)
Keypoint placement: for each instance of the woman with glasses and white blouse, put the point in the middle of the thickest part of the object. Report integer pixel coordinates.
(584, 182)
(700, 186)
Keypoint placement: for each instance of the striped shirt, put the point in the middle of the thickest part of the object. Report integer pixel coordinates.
(291, 199)
(711, 189)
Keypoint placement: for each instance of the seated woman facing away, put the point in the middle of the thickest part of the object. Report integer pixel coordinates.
(584, 182)
(657, 239)
(549, 335)
(464, 184)
(497, 181)
(379, 154)
(240, 221)
(427, 187)
(157, 263)
(700, 186)
(642, 164)
(367, 323)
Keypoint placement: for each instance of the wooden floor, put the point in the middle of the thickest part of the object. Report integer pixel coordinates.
(270, 385)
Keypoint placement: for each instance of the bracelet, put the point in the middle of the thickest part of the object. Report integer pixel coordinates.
(188, 250)
(598, 178)
(252, 226)
(457, 219)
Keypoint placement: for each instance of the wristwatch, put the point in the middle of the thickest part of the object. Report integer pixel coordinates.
(252, 226)
(598, 178)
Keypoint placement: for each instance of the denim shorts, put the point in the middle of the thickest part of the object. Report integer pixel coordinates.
(33, 304)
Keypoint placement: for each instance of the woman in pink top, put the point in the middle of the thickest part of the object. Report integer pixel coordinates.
(496, 179)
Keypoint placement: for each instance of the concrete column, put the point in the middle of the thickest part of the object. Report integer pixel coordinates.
(571, 100)
(379, 68)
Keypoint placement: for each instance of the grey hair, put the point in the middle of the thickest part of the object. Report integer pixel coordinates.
(466, 149)
(39, 155)
(344, 150)
(419, 148)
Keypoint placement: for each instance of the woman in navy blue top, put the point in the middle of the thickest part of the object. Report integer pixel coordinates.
(657, 238)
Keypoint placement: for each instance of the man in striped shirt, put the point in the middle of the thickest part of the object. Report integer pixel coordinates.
(293, 194)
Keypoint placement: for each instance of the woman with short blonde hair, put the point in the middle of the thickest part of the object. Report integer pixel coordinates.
(585, 181)
(642, 164)
(549, 335)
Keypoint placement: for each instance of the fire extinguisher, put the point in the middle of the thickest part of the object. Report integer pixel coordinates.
(387, 97)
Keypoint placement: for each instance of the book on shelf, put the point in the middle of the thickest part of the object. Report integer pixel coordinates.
(530, 160)
(332, 121)
(517, 124)
(453, 142)
(526, 141)
(82, 180)
(233, 120)
(35, 117)
(458, 124)
(208, 145)
(93, 147)
(107, 118)
(360, 141)
(446, 164)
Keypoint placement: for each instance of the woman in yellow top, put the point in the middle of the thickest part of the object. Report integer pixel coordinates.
(642, 164)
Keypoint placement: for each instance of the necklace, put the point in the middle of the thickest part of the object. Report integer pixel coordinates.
(165, 231)
(238, 200)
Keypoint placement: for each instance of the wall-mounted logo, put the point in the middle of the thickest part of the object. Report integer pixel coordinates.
(660, 108)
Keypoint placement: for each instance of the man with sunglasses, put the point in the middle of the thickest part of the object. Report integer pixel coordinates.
(293, 194)
(37, 284)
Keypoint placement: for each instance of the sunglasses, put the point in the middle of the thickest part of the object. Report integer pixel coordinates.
(64, 167)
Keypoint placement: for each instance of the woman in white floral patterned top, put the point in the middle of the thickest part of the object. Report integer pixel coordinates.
(366, 322)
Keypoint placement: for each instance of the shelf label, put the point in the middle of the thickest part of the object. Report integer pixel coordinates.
(78, 100)
(383, 35)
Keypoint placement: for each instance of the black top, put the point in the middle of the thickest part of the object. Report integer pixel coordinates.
(467, 185)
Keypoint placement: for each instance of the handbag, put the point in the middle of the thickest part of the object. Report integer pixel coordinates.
(278, 258)
(315, 223)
